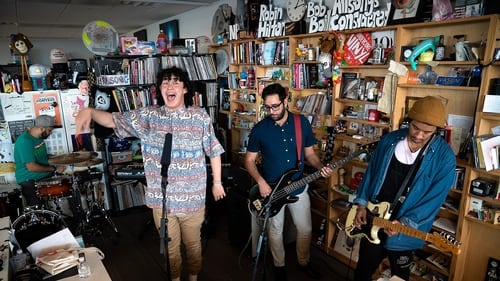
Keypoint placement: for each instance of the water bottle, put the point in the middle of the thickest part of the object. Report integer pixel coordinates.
(83, 266)
(19, 261)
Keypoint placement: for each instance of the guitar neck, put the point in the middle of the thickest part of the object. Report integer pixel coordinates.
(316, 175)
(401, 228)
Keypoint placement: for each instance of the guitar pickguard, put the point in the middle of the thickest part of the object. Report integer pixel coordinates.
(369, 230)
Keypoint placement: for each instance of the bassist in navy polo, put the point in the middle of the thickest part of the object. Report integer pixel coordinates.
(421, 162)
(275, 139)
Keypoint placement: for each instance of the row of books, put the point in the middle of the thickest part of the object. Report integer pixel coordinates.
(486, 149)
(128, 194)
(206, 95)
(317, 104)
(143, 71)
(127, 98)
(354, 87)
(273, 52)
(305, 75)
(200, 67)
(458, 183)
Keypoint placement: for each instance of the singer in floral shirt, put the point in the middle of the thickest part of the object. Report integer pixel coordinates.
(193, 139)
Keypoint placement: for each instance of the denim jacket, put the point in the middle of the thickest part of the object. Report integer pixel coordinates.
(428, 191)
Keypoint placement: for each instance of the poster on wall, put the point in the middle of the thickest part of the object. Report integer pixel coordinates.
(7, 166)
(72, 102)
(17, 107)
(47, 103)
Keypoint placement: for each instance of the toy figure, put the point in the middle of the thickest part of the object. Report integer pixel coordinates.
(356, 180)
(429, 43)
(22, 45)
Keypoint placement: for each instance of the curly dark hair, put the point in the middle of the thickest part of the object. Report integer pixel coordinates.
(183, 77)
(274, 89)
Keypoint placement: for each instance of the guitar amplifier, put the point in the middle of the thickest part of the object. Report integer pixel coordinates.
(482, 187)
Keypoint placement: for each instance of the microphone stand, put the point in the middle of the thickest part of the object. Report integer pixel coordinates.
(262, 243)
(164, 239)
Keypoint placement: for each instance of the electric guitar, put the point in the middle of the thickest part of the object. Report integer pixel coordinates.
(377, 217)
(282, 189)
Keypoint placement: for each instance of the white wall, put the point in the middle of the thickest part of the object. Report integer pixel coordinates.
(191, 25)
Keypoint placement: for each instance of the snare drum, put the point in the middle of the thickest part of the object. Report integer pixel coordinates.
(36, 225)
(54, 187)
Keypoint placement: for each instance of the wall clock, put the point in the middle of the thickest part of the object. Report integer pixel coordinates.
(296, 9)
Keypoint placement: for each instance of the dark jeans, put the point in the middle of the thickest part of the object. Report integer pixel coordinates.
(28, 189)
(371, 255)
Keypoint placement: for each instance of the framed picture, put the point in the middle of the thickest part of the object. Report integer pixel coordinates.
(142, 35)
(171, 29)
(409, 14)
(492, 270)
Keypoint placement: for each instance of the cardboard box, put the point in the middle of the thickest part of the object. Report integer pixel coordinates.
(121, 156)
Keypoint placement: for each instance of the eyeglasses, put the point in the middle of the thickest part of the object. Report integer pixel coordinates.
(171, 81)
(273, 106)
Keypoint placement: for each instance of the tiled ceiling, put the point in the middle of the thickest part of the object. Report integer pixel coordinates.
(65, 19)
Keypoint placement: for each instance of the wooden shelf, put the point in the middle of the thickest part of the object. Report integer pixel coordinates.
(487, 224)
(461, 100)
(440, 87)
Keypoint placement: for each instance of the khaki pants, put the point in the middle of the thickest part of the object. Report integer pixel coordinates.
(185, 229)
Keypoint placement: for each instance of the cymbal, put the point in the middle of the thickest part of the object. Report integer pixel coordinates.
(89, 162)
(66, 159)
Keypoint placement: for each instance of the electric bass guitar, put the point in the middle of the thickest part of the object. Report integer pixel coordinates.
(282, 189)
(377, 218)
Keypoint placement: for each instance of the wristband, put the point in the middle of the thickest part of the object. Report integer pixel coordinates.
(217, 183)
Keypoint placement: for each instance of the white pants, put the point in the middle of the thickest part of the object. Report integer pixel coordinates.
(300, 212)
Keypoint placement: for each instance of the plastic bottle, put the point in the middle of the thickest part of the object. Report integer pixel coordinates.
(19, 261)
(439, 54)
(83, 266)
(162, 43)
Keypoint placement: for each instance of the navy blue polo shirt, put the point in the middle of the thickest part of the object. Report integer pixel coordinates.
(277, 146)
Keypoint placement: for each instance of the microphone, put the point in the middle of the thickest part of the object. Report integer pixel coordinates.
(165, 156)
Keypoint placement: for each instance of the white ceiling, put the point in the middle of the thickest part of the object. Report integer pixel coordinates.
(64, 19)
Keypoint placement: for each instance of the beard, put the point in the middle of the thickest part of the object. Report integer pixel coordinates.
(278, 116)
(44, 135)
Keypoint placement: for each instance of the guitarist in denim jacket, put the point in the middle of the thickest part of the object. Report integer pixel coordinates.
(428, 188)
(274, 138)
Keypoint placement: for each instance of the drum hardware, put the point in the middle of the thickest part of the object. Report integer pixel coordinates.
(90, 219)
(35, 225)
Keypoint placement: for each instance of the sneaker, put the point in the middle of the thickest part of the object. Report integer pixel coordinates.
(309, 271)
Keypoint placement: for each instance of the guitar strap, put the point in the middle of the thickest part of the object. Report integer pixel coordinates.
(405, 185)
(298, 138)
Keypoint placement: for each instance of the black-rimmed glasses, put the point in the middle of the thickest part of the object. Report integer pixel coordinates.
(273, 106)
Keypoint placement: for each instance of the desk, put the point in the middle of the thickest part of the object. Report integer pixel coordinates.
(97, 270)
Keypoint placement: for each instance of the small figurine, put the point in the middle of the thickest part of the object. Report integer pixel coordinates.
(356, 180)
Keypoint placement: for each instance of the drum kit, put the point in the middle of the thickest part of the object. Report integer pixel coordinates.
(84, 193)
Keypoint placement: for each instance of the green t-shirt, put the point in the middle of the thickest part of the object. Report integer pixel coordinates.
(29, 149)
